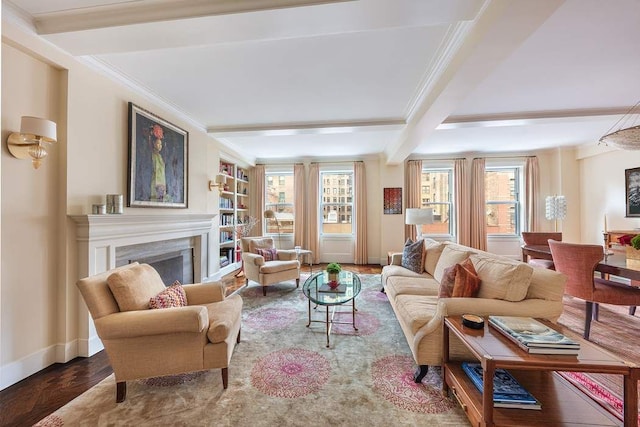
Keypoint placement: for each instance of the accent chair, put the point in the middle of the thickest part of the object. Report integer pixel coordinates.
(540, 238)
(146, 343)
(578, 262)
(266, 265)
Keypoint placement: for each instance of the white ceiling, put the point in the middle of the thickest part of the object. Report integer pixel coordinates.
(297, 79)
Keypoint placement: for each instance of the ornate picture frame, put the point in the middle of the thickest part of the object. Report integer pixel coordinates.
(158, 161)
(632, 192)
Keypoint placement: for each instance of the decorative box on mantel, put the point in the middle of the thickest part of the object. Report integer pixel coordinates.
(100, 236)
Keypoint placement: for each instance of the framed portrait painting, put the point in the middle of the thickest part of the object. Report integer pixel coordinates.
(392, 201)
(158, 161)
(632, 186)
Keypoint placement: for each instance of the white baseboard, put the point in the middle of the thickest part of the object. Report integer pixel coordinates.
(14, 372)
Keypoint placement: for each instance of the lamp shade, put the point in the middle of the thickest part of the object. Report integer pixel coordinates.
(33, 127)
(555, 207)
(417, 216)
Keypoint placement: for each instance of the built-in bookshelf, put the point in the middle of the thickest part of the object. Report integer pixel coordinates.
(234, 210)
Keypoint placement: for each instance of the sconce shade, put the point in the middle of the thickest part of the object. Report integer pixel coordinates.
(29, 142)
(34, 128)
(220, 181)
(416, 216)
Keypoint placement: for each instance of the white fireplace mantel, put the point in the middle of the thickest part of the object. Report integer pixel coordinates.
(98, 237)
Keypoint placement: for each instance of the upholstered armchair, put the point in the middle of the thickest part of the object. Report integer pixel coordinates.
(266, 265)
(145, 343)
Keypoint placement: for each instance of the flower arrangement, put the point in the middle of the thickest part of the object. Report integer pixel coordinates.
(635, 242)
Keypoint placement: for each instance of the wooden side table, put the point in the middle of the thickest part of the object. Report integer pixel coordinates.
(562, 403)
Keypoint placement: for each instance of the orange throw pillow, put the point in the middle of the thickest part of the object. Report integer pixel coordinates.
(467, 282)
(459, 280)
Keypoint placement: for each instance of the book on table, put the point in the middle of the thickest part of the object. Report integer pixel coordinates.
(533, 336)
(507, 391)
(342, 288)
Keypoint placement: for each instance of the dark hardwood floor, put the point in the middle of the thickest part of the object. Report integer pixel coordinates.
(35, 397)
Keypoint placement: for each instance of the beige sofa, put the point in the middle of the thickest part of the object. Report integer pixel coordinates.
(508, 287)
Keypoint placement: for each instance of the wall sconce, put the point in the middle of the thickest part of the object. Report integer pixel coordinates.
(30, 142)
(220, 182)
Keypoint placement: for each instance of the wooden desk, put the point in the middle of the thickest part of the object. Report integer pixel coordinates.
(614, 264)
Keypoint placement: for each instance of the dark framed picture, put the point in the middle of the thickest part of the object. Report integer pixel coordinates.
(392, 201)
(632, 186)
(158, 161)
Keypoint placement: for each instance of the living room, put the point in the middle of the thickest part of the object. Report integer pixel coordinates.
(501, 80)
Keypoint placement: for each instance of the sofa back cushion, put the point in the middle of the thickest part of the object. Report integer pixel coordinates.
(134, 287)
(412, 255)
(451, 255)
(502, 278)
(431, 254)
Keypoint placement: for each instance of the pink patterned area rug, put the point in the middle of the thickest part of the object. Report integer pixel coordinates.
(282, 373)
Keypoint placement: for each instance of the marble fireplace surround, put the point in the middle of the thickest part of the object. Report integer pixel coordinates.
(99, 237)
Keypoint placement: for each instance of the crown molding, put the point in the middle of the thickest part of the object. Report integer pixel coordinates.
(316, 128)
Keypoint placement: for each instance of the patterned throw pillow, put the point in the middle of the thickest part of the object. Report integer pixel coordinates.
(459, 280)
(412, 255)
(173, 296)
(269, 254)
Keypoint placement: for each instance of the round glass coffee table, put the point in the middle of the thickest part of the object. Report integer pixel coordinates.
(317, 290)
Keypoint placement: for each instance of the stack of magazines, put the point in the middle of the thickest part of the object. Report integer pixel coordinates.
(534, 336)
(507, 392)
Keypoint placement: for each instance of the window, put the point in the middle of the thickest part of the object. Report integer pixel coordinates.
(436, 185)
(337, 212)
(502, 198)
(279, 195)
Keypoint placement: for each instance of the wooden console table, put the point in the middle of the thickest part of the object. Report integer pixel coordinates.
(562, 403)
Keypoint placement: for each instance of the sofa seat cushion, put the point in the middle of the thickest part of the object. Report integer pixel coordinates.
(223, 315)
(134, 287)
(451, 255)
(416, 311)
(502, 278)
(278, 266)
(424, 285)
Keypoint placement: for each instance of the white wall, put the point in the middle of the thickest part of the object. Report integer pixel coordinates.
(601, 173)
(38, 298)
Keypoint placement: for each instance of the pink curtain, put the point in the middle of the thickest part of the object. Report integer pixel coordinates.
(413, 177)
(461, 201)
(360, 192)
(313, 239)
(298, 209)
(531, 190)
(257, 200)
(478, 217)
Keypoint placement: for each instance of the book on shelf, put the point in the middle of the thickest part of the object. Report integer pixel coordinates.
(342, 288)
(507, 391)
(533, 336)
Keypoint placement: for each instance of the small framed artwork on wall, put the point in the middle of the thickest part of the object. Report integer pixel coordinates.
(392, 198)
(632, 187)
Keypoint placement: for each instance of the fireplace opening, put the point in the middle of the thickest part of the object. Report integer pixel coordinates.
(172, 259)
